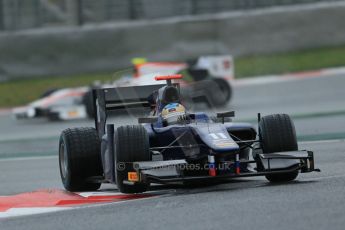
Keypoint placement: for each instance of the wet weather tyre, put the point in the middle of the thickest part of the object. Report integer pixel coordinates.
(277, 134)
(131, 144)
(79, 159)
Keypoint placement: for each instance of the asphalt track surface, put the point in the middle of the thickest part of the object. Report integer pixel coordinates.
(314, 201)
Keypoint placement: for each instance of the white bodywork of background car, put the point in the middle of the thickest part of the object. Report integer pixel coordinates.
(68, 105)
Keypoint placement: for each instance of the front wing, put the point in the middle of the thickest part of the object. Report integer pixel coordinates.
(173, 171)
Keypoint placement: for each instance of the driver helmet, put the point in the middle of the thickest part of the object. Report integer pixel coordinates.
(171, 112)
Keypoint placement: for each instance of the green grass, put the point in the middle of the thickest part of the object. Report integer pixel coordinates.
(19, 92)
(312, 59)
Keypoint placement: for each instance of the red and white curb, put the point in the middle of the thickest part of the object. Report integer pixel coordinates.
(258, 80)
(53, 200)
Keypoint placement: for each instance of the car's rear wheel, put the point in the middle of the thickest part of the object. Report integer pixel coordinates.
(217, 92)
(214, 92)
(277, 134)
(79, 159)
(223, 92)
(131, 144)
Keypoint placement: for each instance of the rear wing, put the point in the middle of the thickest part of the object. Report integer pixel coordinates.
(108, 99)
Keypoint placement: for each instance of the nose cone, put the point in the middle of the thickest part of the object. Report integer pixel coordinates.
(216, 137)
(224, 145)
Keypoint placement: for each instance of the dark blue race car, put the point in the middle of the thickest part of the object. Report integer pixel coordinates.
(173, 145)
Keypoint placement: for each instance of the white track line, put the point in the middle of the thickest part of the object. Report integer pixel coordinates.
(322, 141)
(28, 158)
(325, 177)
(259, 80)
(16, 212)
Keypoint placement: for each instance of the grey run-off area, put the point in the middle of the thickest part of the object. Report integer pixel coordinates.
(314, 201)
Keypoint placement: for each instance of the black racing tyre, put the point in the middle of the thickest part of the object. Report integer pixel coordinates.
(277, 134)
(79, 159)
(53, 116)
(218, 92)
(214, 92)
(131, 144)
(88, 103)
(225, 92)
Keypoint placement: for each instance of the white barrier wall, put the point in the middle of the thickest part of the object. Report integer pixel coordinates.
(107, 47)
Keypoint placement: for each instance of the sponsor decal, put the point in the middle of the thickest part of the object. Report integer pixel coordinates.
(133, 176)
(224, 143)
(73, 113)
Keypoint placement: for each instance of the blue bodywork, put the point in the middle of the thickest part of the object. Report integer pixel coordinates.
(192, 140)
(199, 137)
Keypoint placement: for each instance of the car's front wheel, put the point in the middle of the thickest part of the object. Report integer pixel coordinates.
(277, 134)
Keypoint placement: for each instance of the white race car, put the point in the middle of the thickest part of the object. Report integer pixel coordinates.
(209, 81)
(61, 104)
